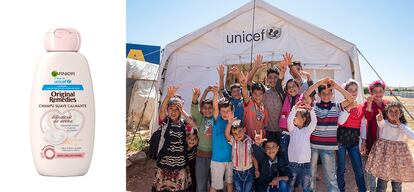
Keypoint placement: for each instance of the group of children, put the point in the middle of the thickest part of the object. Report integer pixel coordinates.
(269, 139)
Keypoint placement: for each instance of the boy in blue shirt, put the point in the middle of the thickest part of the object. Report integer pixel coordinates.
(221, 158)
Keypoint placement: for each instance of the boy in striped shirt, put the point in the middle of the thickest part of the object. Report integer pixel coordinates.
(245, 166)
(323, 139)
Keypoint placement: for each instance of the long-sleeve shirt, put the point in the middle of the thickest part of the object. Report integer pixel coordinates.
(273, 104)
(394, 132)
(324, 136)
(299, 150)
(205, 126)
(372, 126)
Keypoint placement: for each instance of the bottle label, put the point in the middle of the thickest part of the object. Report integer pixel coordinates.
(62, 120)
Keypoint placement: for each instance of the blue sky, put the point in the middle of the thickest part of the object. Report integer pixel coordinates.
(382, 30)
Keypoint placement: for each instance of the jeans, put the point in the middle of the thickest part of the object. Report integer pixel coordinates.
(283, 151)
(243, 180)
(329, 168)
(302, 172)
(202, 173)
(282, 187)
(371, 180)
(355, 156)
(382, 186)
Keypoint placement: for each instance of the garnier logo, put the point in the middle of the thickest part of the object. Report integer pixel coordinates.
(57, 73)
(272, 32)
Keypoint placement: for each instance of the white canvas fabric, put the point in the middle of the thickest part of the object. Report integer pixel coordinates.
(144, 88)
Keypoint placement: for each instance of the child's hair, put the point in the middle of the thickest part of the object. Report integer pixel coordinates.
(306, 115)
(272, 70)
(259, 87)
(399, 106)
(237, 124)
(176, 99)
(191, 131)
(376, 83)
(290, 80)
(297, 63)
(350, 82)
(322, 87)
(224, 103)
(234, 86)
(270, 140)
(206, 102)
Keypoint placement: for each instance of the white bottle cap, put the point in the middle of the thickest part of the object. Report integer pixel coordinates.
(62, 39)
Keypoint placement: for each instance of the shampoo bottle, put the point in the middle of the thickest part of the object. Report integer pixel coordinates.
(62, 111)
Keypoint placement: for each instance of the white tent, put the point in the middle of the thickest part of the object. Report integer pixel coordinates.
(142, 74)
(192, 60)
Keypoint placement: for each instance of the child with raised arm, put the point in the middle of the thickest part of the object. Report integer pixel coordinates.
(221, 158)
(245, 167)
(255, 114)
(172, 172)
(204, 119)
(304, 80)
(350, 125)
(290, 95)
(323, 139)
(390, 158)
(235, 96)
(271, 99)
(301, 123)
(274, 175)
(374, 102)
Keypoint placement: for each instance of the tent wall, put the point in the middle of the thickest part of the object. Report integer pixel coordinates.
(142, 76)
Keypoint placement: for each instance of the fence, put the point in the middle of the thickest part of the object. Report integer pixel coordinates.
(405, 94)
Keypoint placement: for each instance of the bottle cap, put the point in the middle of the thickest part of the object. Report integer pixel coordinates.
(62, 39)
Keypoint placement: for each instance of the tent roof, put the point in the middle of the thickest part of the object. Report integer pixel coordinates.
(318, 32)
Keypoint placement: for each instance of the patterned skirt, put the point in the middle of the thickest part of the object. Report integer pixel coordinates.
(172, 180)
(391, 161)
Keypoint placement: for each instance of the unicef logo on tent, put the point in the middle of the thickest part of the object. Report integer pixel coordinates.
(245, 37)
(274, 32)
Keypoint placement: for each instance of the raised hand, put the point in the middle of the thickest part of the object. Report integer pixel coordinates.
(196, 92)
(259, 61)
(220, 70)
(180, 107)
(370, 99)
(397, 121)
(171, 90)
(215, 88)
(380, 117)
(287, 58)
(282, 72)
(243, 78)
(234, 71)
(258, 137)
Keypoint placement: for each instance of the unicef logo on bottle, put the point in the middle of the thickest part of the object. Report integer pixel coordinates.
(274, 32)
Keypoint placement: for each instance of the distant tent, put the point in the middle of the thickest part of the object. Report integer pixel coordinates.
(141, 88)
(192, 60)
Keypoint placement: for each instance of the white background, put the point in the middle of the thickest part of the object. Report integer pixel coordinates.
(102, 28)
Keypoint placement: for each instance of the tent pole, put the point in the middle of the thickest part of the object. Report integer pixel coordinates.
(392, 94)
(251, 47)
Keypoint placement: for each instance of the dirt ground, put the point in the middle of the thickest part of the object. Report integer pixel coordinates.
(140, 175)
